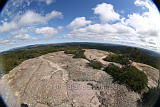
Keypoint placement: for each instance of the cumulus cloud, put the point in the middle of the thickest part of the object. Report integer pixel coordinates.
(78, 22)
(138, 28)
(25, 37)
(104, 32)
(146, 24)
(106, 12)
(29, 18)
(8, 27)
(47, 32)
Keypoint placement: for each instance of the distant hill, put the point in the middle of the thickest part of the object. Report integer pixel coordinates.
(137, 54)
(100, 46)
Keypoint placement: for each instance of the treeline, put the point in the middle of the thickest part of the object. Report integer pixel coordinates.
(134, 54)
(14, 58)
(137, 55)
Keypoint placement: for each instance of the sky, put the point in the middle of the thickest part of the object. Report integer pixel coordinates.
(128, 22)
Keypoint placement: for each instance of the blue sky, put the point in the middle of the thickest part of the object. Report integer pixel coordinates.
(28, 22)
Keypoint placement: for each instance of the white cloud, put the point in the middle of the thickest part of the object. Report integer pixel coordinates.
(31, 17)
(4, 41)
(59, 28)
(106, 12)
(147, 24)
(110, 32)
(138, 28)
(18, 7)
(139, 2)
(25, 37)
(47, 32)
(28, 18)
(142, 3)
(47, 1)
(53, 14)
(8, 27)
(21, 31)
(12, 8)
(78, 22)
(144, 25)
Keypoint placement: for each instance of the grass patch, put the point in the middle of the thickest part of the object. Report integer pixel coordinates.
(121, 59)
(128, 75)
(96, 64)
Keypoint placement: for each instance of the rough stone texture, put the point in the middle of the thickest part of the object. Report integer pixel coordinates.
(58, 80)
(40, 105)
(93, 54)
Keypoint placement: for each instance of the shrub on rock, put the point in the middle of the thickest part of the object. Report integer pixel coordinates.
(128, 75)
(96, 64)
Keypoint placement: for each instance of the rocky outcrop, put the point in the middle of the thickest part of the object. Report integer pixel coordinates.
(151, 72)
(58, 80)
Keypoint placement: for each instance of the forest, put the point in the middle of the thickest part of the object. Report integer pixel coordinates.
(11, 59)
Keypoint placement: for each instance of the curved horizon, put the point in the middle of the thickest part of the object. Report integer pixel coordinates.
(42, 22)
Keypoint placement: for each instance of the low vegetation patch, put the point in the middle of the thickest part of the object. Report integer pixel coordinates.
(96, 64)
(128, 75)
(121, 59)
(77, 52)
